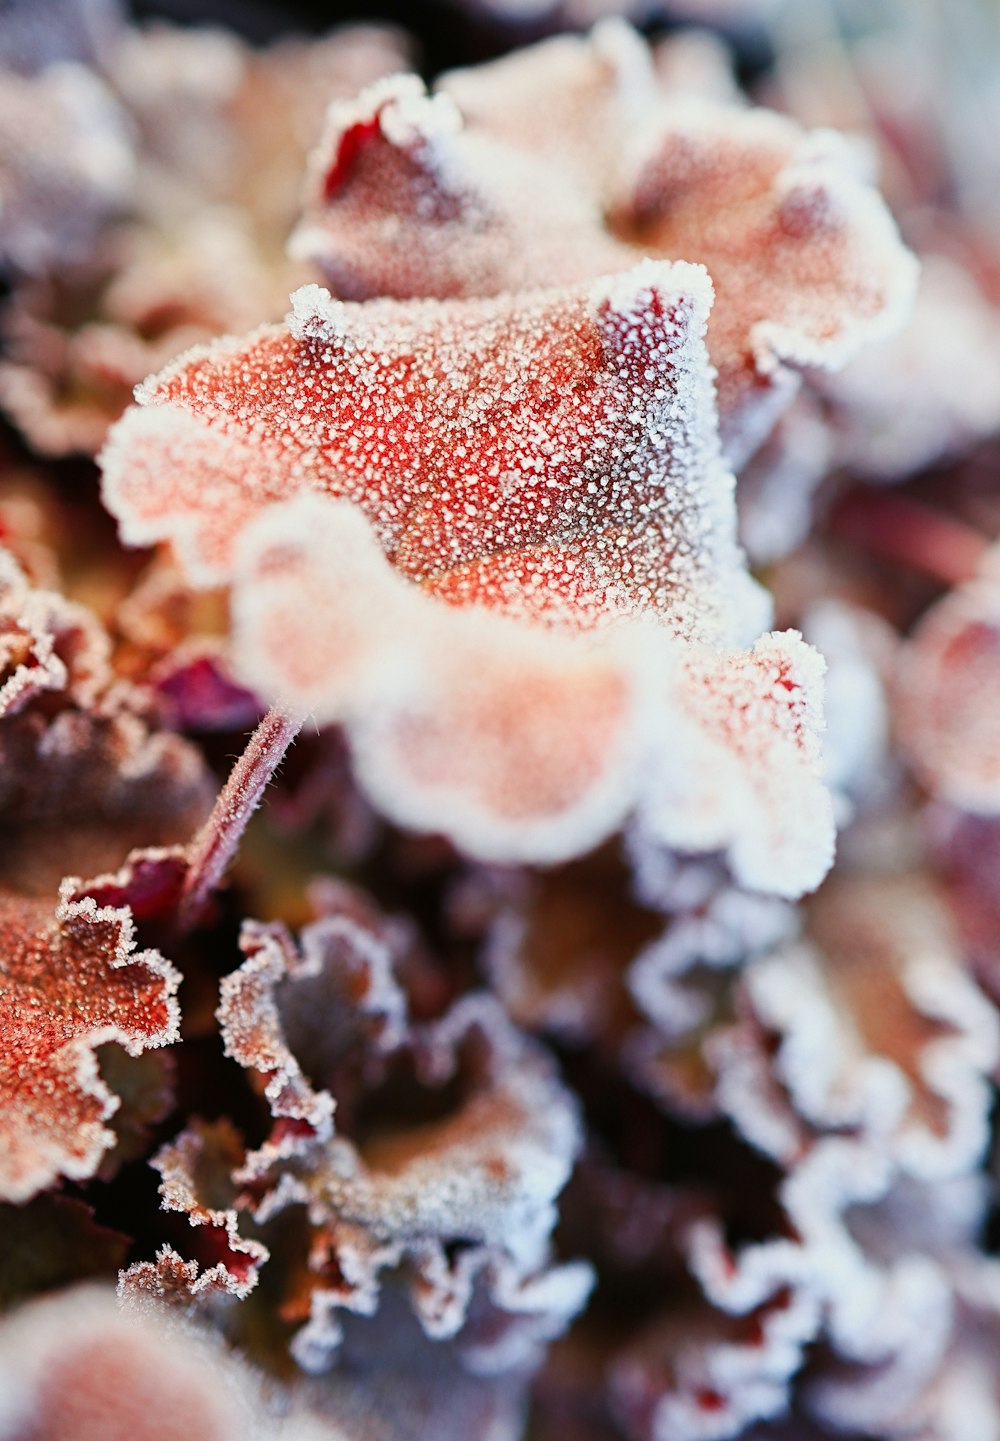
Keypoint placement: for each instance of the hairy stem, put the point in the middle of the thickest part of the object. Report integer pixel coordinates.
(215, 844)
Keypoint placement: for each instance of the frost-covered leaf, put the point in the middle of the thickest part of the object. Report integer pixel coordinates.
(84, 773)
(488, 1170)
(58, 193)
(337, 993)
(196, 1173)
(453, 598)
(881, 1034)
(551, 455)
(70, 982)
(453, 1138)
(77, 1365)
(217, 132)
(571, 158)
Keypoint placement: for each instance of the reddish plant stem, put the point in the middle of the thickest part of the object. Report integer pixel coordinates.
(215, 844)
(906, 530)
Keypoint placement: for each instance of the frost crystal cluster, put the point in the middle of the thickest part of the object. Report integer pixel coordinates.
(500, 725)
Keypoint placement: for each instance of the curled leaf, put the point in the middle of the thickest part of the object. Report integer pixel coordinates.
(571, 158)
(196, 1179)
(882, 1035)
(84, 773)
(450, 1186)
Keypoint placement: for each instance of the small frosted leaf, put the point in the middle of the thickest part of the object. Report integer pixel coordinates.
(344, 969)
(488, 1171)
(70, 982)
(749, 779)
(708, 1368)
(196, 1173)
